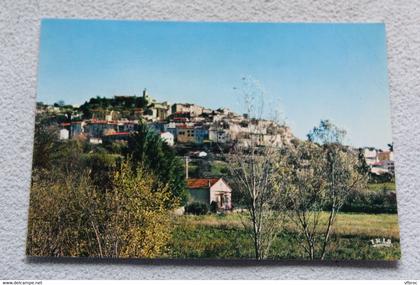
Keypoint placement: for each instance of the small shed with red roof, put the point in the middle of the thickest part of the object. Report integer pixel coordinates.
(207, 190)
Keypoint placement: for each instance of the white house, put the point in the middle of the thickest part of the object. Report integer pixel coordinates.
(218, 135)
(168, 138)
(64, 134)
(371, 155)
(95, 140)
(199, 154)
(207, 190)
(202, 154)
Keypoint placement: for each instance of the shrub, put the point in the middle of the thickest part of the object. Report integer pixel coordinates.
(197, 208)
(373, 202)
(70, 216)
(381, 178)
(213, 207)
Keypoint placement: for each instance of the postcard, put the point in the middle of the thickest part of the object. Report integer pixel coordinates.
(208, 140)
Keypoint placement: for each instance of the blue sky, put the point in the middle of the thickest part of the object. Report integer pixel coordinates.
(310, 71)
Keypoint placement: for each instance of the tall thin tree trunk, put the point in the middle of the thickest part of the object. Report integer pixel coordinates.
(97, 239)
(327, 233)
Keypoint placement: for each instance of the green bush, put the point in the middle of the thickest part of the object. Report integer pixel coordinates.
(213, 207)
(374, 202)
(381, 178)
(197, 208)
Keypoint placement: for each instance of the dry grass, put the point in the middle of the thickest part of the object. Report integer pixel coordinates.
(362, 225)
(369, 225)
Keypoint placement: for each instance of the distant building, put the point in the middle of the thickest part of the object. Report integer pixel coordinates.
(156, 127)
(95, 140)
(170, 127)
(160, 111)
(207, 190)
(378, 168)
(127, 126)
(168, 138)
(200, 134)
(370, 155)
(147, 97)
(218, 135)
(64, 134)
(192, 109)
(380, 162)
(76, 128)
(111, 116)
(184, 134)
(97, 128)
(207, 111)
(384, 166)
(385, 155)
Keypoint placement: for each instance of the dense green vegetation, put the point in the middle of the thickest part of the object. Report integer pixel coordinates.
(102, 200)
(371, 201)
(147, 149)
(123, 104)
(207, 168)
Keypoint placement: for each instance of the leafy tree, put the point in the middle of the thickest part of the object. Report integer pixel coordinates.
(140, 222)
(45, 142)
(391, 146)
(320, 177)
(363, 166)
(146, 149)
(101, 166)
(67, 157)
(69, 216)
(123, 104)
(60, 103)
(59, 215)
(327, 133)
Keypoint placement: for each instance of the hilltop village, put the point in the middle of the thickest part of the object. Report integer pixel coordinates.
(101, 119)
(192, 130)
(198, 135)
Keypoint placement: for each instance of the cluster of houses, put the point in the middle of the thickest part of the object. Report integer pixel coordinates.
(179, 123)
(379, 161)
(186, 123)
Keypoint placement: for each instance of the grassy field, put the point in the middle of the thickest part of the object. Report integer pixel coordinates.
(380, 186)
(223, 236)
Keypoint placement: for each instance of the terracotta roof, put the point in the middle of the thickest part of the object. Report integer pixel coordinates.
(94, 121)
(194, 183)
(180, 119)
(118, 133)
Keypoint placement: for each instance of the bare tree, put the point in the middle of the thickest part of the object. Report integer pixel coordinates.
(319, 178)
(251, 163)
(252, 170)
